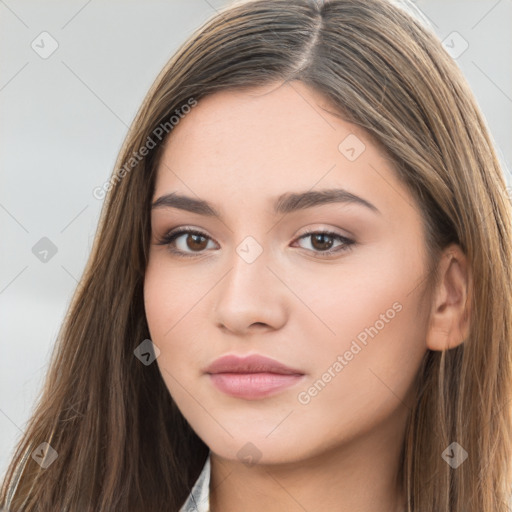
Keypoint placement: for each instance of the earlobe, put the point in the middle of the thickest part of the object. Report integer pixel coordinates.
(450, 314)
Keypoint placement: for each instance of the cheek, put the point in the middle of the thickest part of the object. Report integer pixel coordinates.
(169, 296)
(172, 302)
(363, 377)
(343, 302)
(369, 334)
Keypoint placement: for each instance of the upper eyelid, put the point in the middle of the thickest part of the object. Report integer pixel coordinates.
(187, 229)
(309, 231)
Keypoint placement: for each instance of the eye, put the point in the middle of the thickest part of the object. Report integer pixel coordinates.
(181, 245)
(322, 242)
(185, 242)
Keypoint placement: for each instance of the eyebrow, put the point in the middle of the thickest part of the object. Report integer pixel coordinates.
(285, 203)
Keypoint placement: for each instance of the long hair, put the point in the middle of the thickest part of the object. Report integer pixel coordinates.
(121, 442)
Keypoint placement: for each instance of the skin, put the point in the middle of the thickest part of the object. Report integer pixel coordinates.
(340, 451)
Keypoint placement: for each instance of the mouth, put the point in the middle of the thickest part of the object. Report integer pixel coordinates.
(252, 377)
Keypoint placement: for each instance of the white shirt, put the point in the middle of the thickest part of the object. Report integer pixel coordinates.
(199, 498)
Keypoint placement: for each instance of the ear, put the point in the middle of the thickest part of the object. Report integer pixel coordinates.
(450, 313)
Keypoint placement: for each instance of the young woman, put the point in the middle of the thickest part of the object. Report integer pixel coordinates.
(299, 293)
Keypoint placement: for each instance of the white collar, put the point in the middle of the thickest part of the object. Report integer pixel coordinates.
(199, 498)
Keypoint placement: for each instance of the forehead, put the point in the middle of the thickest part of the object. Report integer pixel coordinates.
(246, 146)
(267, 124)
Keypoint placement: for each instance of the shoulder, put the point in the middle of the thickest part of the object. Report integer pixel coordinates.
(199, 498)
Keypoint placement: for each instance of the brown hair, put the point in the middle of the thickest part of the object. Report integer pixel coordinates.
(122, 443)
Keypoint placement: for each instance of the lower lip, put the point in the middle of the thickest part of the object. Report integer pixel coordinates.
(253, 385)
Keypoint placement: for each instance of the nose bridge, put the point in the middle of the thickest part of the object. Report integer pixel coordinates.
(248, 269)
(249, 293)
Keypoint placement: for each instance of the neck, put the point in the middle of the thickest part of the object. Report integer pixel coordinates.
(360, 475)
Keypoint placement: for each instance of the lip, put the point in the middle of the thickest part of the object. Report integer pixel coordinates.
(251, 377)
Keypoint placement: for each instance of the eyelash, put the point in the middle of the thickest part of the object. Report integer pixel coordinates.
(169, 238)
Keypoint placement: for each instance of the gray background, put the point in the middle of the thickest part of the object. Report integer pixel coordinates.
(63, 121)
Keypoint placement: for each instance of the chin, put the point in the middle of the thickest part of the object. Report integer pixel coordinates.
(255, 448)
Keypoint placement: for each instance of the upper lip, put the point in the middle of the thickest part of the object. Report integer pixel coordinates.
(249, 364)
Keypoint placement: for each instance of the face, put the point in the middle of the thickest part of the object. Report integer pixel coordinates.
(327, 285)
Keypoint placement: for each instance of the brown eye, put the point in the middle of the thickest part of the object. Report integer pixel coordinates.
(321, 241)
(196, 242)
(186, 242)
(190, 242)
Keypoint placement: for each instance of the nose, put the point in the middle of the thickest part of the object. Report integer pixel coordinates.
(250, 297)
